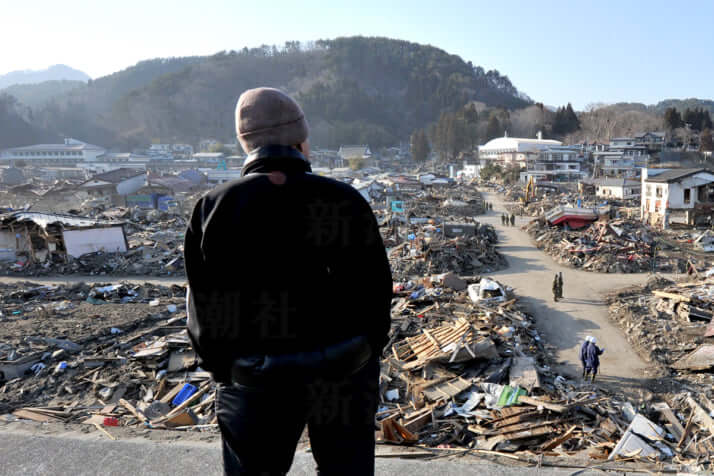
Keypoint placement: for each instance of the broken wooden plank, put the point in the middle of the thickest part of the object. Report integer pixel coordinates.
(185, 404)
(687, 430)
(672, 296)
(702, 358)
(394, 432)
(30, 414)
(172, 393)
(185, 418)
(418, 420)
(540, 403)
(446, 389)
(663, 408)
(557, 441)
(701, 417)
(99, 427)
(132, 409)
(524, 426)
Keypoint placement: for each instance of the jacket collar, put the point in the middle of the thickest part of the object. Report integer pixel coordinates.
(273, 158)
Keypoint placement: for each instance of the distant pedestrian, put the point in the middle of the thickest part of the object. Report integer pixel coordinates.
(592, 359)
(503, 219)
(555, 287)
(584, 352)
(513, 219)
(560, 285)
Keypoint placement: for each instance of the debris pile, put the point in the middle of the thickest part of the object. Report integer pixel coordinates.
(105, 355)
(466, 369)
(669, 323)
(155, 248)
(467, 248)
(608, 246)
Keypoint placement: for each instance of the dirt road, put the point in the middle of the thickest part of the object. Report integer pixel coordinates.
(582, 312)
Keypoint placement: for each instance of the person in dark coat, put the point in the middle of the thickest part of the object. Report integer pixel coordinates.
(513, 219)
(583, 352)
(592, 359)
(560, 285)
(288, 302)
(503, 219)
(555, 288)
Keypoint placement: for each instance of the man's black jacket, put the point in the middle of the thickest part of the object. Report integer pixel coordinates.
(283, 261)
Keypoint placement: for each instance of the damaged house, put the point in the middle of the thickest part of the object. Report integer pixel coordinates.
(38, 237)
(114, 185)
(683, 196)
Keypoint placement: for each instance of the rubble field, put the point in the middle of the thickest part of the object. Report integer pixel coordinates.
(429, 250)
(155, 248)
(611, 246)
(465, 372)
(670, 324)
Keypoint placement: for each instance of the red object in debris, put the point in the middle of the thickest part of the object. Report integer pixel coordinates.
(111, 421)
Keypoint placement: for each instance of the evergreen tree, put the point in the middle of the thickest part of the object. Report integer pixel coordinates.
(572, 119)
(705, 141)
(419, 146)
(672, 119)
(493, 129)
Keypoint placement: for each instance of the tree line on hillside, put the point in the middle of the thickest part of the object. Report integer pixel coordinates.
(698, 119)
(354, 90)
(462, 130)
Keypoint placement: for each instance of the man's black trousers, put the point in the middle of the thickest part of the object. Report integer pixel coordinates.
(261, 426)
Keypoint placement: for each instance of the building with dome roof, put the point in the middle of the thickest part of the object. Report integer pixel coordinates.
(513, 150)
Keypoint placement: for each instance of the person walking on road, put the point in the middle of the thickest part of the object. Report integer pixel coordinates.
(584, 351)
(555, 287)
(592, 359)
(513, 219)
(256, 251)
(560, 285)
(503, 219)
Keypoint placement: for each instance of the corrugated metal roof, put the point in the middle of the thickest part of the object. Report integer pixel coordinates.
(44, 219)
(675, 174)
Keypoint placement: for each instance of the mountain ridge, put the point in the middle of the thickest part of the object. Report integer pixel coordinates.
(53, 73)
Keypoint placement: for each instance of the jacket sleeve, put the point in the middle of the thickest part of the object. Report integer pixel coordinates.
(198, 299)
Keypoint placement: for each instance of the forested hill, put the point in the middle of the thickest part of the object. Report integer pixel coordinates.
(354, 90)
(16, 125)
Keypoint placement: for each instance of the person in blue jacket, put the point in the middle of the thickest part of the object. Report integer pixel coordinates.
(583, 352)
(592, 359)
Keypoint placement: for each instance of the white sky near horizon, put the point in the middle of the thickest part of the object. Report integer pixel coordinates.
(553, 50)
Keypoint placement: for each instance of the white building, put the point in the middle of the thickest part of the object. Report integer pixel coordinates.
(555, 163)
(621, 188)
(219, 176)
(209, 156)
(69, 153)
(674, 195)
(513, 150)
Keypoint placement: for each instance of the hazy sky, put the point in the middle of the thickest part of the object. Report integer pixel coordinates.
(555, 51)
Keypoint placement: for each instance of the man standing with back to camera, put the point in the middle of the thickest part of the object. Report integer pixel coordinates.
(289, 301)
